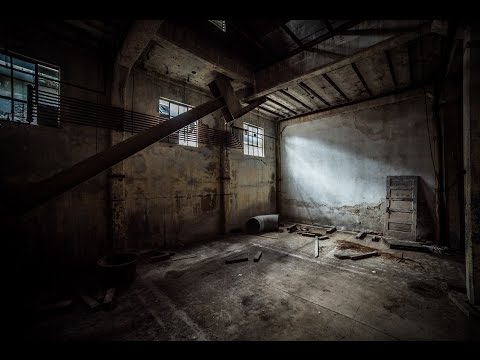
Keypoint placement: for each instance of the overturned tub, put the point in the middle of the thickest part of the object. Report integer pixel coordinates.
(262, 223)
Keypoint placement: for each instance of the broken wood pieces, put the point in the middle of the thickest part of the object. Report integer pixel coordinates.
(236, 260)
(361, 235)
(364, 256)
(184, 257)
(316, 246)
(376, 238)
(257, 256)
(331, 230)
(306, 233)
(292, 228)
(323, 238)
(343, 256)
(108, 299)
(91, 302)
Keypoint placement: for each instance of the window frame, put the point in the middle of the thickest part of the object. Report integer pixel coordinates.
(183, 137)
(249, 148)
(37, 75)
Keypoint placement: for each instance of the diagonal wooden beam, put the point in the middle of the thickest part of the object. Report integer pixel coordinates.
(40, 192)
(362, 80)
(391, 69)
(254, 104)
(331, 82)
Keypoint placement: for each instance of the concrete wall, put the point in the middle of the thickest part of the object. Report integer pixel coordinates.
(174, 193)
(71, 229)
(334, 168)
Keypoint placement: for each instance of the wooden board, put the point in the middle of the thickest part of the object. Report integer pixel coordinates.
(401, 207)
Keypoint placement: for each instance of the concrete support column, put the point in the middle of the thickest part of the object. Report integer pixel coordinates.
(471, 145)
(136, 41)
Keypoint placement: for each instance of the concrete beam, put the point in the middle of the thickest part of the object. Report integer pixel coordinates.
(139, 35)
(202, 47)
(471, 158)
(301, 67)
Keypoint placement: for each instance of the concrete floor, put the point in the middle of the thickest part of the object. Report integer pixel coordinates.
(288, 295)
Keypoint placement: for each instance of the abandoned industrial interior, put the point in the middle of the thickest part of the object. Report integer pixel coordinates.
(206, 180)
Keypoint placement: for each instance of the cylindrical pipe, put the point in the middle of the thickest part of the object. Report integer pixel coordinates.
(261, 223)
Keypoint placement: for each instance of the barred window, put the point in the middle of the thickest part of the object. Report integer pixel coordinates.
(37, 107)
(252, 140)
(187, 135)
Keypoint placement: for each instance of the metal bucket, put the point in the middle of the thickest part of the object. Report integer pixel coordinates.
(118, 269)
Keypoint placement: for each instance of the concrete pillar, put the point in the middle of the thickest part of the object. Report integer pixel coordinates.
(137, 39)
(471, 145)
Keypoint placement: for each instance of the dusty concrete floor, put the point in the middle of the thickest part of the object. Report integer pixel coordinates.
(288, 295)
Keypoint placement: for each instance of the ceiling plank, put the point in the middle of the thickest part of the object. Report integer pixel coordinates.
(313, 92)
(362, 80)
(295, 99)
(280, 75)
(331, 82)
(391, 69)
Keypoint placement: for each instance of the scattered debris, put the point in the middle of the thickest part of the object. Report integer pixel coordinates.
(304, 228)
(323, 238)
(316, 246)
(361, 235)
(437, 249)
(239, 274)
(59, 305)
(406, 245)
(364, 256)
(342, 256)
(269, 237)
(236, 260)
(463, 304)
(376, 238)
(91, 302)
(257, 256)
(317, 233)
(108, 300)
(331, 230)
(184, 257)
(309, 234)
(374, 272)
(162, 256)
(292, 228)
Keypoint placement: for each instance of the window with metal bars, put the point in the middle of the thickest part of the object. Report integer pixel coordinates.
(187, 135)
(21, 81)
(252, 140)
(221, 24)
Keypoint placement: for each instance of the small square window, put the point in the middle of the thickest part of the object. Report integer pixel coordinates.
(252, 140)
(188, 135)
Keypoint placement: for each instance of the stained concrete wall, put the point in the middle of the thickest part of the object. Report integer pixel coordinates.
(334, 169)
(252, 183)
(174, 192)
(72, 229)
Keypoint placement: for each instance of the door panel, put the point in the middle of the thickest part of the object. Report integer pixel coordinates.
(401, 207)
